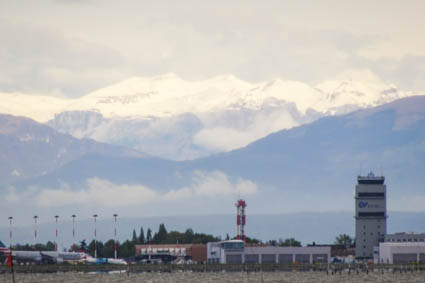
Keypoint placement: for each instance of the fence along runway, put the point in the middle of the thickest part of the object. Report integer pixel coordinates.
(222, 277)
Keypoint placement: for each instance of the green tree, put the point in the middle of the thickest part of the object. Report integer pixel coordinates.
(345, 240)
(149, 236)
(134, 238)
(252, 240)
(290, 242)
(188, 236)
(174, 237)
(127, 249)
(83, 246)
(99, 248)
(50, 246)
(109, 249)
(161, 236)
(141, 239)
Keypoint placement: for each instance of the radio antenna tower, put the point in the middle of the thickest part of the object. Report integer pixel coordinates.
(240, 220)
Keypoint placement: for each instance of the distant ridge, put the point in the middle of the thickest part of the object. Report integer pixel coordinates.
(320, 160)
(32, 149)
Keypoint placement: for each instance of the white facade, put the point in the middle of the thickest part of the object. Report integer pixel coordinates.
(401, 253)
(371, 214)
(405, 237)
(236, 252)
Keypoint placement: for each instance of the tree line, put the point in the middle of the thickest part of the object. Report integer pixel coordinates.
(171, 237)
(127, 248)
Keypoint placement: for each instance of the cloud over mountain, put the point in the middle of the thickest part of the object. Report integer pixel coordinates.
(177, 119)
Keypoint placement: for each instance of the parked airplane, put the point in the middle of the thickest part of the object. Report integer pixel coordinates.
(42, 256)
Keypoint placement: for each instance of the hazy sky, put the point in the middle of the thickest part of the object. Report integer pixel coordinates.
(70, 47)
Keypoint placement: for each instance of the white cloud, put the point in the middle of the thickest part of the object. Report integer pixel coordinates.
(105, 194)
(97, 192)
(211, 185)
(227, 138)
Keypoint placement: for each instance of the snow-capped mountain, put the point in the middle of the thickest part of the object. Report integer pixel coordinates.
(313, 166)
(179, 119)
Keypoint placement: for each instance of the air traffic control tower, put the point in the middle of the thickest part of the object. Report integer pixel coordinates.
(371, 214)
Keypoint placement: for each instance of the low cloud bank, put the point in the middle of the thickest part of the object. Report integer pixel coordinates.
(103, 193)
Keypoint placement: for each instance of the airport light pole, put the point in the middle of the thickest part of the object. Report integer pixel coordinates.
(10, 230)
(35, 232)
(56, 219)
(73, 227)
(95, 249)
(115, 234)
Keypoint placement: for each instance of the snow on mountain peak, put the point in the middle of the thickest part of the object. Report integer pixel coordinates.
(168, 95)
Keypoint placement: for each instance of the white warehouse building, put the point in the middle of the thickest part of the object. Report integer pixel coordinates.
(235, 251)
(402, 253)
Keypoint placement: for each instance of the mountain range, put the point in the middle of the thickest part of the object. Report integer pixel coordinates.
(32, 149)
(176, 119)
(312, 167)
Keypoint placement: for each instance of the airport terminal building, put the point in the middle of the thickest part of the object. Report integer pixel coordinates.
(236, 251)
(402, 253)
(405, 237)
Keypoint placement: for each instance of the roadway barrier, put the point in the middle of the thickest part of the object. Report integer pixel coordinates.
(330, 269)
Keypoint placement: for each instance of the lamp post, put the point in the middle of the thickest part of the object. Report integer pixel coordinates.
(35, 232)
(95, 249)
(115, 234)
(10, 230)
(56, 219)
(73, 227)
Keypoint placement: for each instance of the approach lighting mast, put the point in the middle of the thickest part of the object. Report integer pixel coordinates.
(115, 234)
(10, 230)
(35, 232)
(95, 248)
(57, 231)
(73, 227)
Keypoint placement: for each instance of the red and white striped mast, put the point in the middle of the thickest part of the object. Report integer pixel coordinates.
(57, 231)
(95, 249)
(115, 234)
(240, 219)
(73, 227)
(10, 230)
(35, 232)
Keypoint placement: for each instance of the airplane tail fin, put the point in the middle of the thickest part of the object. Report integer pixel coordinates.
(9, 262)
